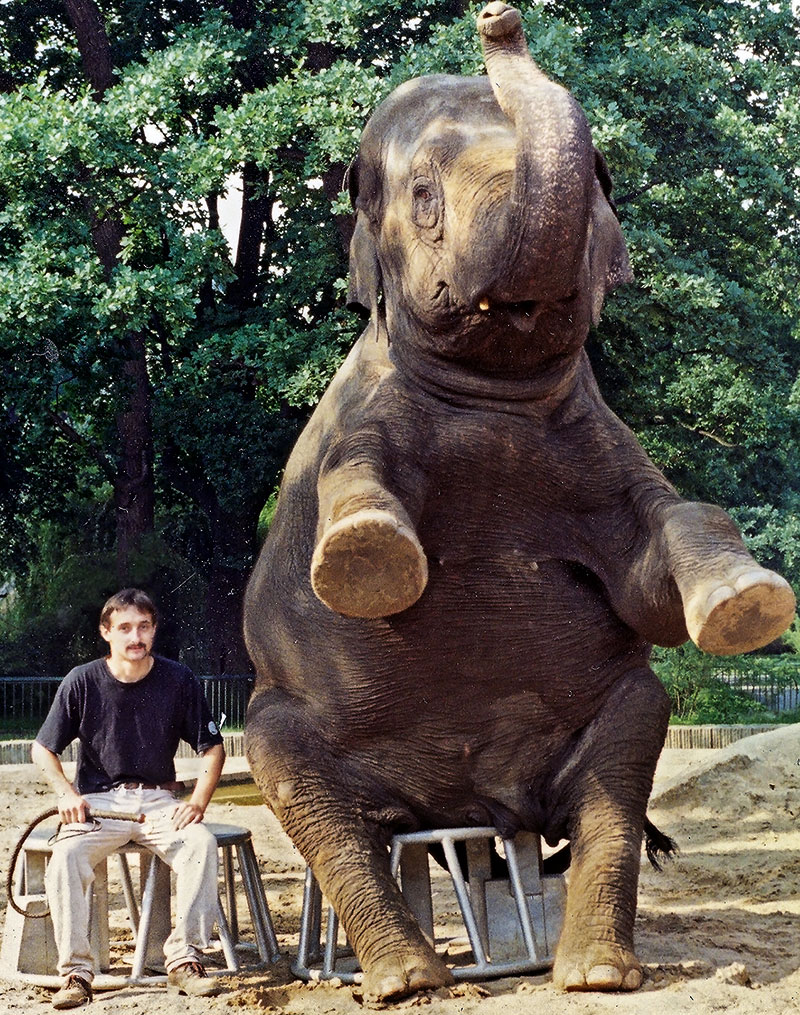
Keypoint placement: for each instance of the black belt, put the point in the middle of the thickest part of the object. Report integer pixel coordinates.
(170, 787)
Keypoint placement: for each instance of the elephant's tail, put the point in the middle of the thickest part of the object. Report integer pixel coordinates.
(657, 846)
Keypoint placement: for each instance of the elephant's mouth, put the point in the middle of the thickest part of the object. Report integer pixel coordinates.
(524, 315)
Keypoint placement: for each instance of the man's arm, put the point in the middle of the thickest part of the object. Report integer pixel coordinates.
(71, 805)
(189, 811)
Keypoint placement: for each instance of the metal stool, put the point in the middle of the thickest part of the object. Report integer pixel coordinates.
(156, 898)
(230, 838)
(151, 924)
(512, 924)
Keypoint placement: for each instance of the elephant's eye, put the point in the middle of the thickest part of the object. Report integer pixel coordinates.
(425, 203)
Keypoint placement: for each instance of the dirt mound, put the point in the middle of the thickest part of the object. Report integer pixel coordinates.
(753, 780)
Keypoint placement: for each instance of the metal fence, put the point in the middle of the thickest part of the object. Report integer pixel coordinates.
(25, 701)
(774, 682)
(228, 696)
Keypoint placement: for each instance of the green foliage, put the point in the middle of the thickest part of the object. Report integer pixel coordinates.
(49, 622)
(773, 536)
(707, 689)
(266, 516)
(791, 638)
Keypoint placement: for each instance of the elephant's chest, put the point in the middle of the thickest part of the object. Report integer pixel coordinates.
(508, 493)
(512, 527)
(511, 616)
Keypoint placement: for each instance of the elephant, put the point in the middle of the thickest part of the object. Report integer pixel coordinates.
(471, 556)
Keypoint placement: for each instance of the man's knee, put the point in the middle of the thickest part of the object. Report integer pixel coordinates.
(68, 869)
(199, 841)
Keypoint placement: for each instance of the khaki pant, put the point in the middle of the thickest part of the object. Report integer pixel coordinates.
(190, 852)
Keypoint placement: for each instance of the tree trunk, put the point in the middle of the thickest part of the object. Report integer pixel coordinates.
(134, 486)
(234, 552)
(134, 492)
(93, 44)
(254, 224)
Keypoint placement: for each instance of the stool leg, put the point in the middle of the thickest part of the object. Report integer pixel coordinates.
(331, 941)
(462, 894)
(226, 940)
(154, 919)
(518, 891)
(310, 919)
(148, 899)
(230, 892)
(127, 890)
(268, 948)
(160, 918)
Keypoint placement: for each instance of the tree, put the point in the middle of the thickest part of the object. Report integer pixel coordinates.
(121, 300)
(119, 135)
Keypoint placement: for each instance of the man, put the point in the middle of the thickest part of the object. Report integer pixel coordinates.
(129, 711)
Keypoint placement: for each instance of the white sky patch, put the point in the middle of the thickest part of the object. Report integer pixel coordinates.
(229, 205)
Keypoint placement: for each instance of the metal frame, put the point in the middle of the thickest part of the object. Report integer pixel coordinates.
(408, 859)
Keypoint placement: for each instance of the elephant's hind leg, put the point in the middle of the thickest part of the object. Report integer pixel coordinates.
(604, 788)
(324, 809)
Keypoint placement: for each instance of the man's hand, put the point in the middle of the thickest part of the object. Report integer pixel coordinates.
(72, 808)
(186, 813)
(190, 811)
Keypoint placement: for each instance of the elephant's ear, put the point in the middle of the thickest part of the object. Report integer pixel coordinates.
(603, 174)
(608, 255)
(363, 293)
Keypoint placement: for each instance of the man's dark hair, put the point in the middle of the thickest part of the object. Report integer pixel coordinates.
(125, 599)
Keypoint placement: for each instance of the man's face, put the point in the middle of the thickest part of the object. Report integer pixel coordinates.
(130, 636)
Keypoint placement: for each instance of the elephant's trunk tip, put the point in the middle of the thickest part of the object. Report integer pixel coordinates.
(497, 21)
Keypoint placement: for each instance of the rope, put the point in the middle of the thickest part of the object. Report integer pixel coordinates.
(91, 815)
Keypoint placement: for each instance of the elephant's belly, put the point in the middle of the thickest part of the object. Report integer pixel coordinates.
(462, 702)
(510, 622)
(470, 693)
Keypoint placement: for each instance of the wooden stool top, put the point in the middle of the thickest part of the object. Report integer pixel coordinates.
(226, 835)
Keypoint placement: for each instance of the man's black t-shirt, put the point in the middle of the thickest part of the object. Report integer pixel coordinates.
(128, 732)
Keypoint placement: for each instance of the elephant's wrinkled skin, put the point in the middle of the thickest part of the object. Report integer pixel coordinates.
(452, 614)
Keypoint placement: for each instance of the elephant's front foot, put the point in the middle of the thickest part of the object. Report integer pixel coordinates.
(369, 564)
(598, 966)
(739, 611)
(396, 976)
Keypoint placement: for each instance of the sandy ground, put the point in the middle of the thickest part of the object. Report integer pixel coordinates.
(718, 930)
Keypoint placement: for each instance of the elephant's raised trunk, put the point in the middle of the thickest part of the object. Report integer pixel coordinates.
(542, 243)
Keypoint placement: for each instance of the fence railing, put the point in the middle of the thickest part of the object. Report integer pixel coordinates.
(228, 696)
(775, 682)
(25, 701)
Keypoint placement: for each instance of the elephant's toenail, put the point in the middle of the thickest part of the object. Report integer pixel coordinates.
(633, 979)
